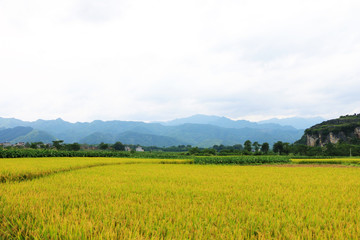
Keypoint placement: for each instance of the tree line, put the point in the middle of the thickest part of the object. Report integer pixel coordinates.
(247, 148)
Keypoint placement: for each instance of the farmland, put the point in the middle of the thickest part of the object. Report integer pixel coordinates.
(343, 160)
(19, 169)
(177, 201)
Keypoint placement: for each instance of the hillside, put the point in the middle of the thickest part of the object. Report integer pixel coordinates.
(296, 122)
(342, 129)
(204, 131)
(285, 123)
(9, 134)
(35, 136)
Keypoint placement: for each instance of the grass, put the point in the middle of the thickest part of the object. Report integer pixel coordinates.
(181, 201)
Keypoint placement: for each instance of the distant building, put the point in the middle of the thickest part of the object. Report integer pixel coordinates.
(139, 149)
(20, 144)
(6, 144)
(127, 148)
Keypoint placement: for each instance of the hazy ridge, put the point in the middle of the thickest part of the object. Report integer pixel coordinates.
(197, 130)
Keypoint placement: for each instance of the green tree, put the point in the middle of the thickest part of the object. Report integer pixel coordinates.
(247, 146)
(103, 146)
(118, 146)
(238, 147)
(278, 147)
(265, 147)
(34, 145)
(208, 151)
(58, 144)
(256, 146)
(330, 149)
(286, 148)
(73, 147)
(194, 150)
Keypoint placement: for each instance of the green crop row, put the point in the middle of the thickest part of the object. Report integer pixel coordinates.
(35, 153)
(241, 160)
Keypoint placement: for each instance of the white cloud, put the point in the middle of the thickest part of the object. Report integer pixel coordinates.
(155, 60)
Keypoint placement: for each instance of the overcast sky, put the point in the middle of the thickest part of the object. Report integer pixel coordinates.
(83, 60)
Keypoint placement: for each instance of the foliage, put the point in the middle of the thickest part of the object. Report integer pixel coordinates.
(345, 124)
(72, 147)
(247, 145)
(179, 148)
(241, 160)
(278, 147)
(58, 144)
(118, 146)
(103, 146)
(203, 152)
(265, 148)
(256, 146)
(339, 149)
(26, 153)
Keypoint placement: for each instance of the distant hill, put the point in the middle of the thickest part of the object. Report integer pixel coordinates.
(98, 137)
(135, 138)
(148, 139)
(205, 135)
(296, 122)
(204, 131)
(10, 122)
(24, 134)
(35, 136)
(342, 129)
(211, 120)
(9, 134)
(226, 122)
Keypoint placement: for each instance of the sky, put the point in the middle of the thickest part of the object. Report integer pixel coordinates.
(83, 60)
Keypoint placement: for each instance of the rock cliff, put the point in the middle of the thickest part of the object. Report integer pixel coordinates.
(344, 129)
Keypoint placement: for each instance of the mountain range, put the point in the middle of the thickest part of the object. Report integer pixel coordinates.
(197, 130)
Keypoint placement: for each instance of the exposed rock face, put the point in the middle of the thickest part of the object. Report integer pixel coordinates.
(343, 129)
(319, 140)
(357, 132)
(311, 140)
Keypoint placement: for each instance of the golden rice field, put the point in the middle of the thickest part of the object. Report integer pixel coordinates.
(348, 160)
(18, 169)
(182, 201)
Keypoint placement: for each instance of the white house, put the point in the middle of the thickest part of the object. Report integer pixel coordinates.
(139, 149)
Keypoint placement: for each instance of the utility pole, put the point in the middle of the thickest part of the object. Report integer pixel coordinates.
(350, 152)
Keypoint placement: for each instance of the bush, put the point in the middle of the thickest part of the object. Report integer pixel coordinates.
(242, 160)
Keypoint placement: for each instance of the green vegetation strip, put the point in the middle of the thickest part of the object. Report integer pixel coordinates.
(44, 153)
(242, 160)
(22, 169)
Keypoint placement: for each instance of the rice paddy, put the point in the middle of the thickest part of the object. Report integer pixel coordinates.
(179, 201)
(19, 169)
(344, 160)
